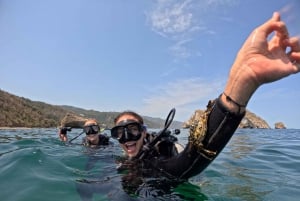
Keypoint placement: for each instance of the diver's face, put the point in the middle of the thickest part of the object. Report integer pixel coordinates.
(132, 147)
(91, 130)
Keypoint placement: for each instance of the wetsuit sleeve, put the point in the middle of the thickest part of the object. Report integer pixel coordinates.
(221, 124)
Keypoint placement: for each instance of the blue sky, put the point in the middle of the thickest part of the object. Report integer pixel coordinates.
(146, 56)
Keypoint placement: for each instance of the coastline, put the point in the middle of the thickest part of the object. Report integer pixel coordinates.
(14, 128)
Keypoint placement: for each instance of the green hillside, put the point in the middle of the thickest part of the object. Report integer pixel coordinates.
(21, 112)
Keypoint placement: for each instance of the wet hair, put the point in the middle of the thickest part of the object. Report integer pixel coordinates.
(128, 112)
(91, 121)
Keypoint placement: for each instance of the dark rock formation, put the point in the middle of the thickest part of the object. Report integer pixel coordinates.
(280, 125)
(196, 115)
(73, 120)
(249, 121)
(253, 121)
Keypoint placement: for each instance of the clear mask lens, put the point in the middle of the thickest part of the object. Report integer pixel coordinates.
(127, 132)
(93, 129)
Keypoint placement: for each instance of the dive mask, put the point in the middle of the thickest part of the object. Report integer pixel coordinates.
(92, 129)
(128, 130)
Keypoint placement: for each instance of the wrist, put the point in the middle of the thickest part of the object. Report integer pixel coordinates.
(241, 84)
(232, 105)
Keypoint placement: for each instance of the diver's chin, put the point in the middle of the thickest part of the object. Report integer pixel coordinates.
(93, 142)
(92, 138)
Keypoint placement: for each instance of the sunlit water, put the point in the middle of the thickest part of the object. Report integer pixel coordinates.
(257, 164)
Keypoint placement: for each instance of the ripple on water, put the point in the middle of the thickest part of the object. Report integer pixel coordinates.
(257, 164)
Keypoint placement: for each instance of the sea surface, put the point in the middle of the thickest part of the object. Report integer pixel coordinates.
(257, 164)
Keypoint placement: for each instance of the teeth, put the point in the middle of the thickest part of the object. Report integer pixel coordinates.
(130, 144)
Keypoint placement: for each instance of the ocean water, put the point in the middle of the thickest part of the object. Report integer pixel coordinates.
(257, 164)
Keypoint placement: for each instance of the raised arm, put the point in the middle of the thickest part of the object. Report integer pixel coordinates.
(261, 61)
(62, 133)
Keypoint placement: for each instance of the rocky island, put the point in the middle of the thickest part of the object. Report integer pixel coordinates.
(280, 125)
(249, 121)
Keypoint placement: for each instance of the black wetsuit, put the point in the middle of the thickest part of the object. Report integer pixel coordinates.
(221, 125)
(162, 170)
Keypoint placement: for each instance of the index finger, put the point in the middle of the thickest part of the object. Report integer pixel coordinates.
(275, 24)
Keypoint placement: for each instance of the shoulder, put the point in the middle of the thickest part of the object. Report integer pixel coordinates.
(103, 139)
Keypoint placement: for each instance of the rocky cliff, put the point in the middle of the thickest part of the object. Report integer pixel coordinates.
(249, 121)
(280, 125)
(253, 121)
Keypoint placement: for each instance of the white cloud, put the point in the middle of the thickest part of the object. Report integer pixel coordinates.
(181, 20)
(174, 20)
(180, 50)
(290, 13)
(171, 18)
(181, 94)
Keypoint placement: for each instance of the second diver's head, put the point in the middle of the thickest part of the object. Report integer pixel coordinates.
(130, 131)
(91, 129)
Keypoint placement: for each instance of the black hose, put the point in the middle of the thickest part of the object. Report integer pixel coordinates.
(148, 147)
(76, 137)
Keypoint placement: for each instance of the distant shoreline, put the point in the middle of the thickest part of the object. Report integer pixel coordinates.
(13, 128)
(23, 128)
